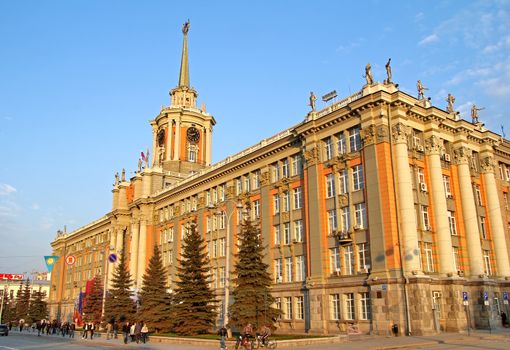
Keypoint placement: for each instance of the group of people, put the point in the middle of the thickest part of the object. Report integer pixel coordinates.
(248, 332)
(135, 331)
(46, 327)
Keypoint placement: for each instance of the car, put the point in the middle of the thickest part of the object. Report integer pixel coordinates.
(4, 329)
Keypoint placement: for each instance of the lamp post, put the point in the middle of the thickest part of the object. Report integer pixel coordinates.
(106, 268)
(226, 301)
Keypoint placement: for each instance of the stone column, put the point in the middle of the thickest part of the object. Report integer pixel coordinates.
(442, 228)
(169, 140)
(208, 145)
(133, 261)
(177, 144)
(407, 213)
(497, 227)
(142, 251)
(154, 140)
(469, 213)
(119, 242)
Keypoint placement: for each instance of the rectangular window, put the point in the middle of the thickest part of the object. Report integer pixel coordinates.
(346, 219)
(355, 139)
(298, 198)
(214, 248)
(487, 262)
(277, 235)
(222, 246)
(222, 219)
(332, 223)
(483, 227)
(478, 194)
(330, 185)
(349, 259)
(452, 223)
(344, 181)
(420, 174)
(222, 276)
(429, 257)
(288, 308)
(328, 149)
(275, 172)
(364, 299)
(278, 303)
(334, 256)
(360, 215)
(278, 270)
(286, 201)
(447, 186)
(300, 308)
(363, 256)
(256, 209)
(507, 172)
(256, 179)
(285, 168)
(247, 183)
(276, 203)
(456, 258)
(501, 171)
(297, 165)
(298, 230)
(340, 143)
(300, 268)
(425, 221)
(239, 186)
(357, 178)
(286, 233)
(335, 306)
(349, 306)
(288, 269)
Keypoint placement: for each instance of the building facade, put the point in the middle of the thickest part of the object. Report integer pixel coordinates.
(379, 209)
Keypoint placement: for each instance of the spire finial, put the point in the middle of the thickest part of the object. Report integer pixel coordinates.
(184, 73)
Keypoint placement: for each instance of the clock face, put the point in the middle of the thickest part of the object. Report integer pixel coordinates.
(193, 134)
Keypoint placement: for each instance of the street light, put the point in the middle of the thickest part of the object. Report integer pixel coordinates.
(227, 260)
(107, 265)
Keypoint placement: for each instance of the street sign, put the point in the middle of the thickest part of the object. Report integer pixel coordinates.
(465, 298)
(505, 298)
(112, 257)
(486, 298)
(11, 277)
(70, 260)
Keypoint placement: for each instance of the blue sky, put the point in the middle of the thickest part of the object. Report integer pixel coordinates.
(79, 81)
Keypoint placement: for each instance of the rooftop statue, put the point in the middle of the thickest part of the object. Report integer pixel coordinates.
(388, 71)
(312, 100)
(474, 113)
(451, 100)
(421, 90)
(185, 27)
(368, 74)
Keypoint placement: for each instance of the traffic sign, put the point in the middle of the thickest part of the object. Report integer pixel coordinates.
(465, 298)
(112, 257)
(486, 298)
(505, 298)
(70, 260)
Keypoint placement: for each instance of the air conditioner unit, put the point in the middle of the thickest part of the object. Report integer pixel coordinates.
(420, 148)
(449, 196)
(423, 187)
(447, 157)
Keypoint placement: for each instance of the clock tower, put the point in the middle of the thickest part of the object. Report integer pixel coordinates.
(182, 133)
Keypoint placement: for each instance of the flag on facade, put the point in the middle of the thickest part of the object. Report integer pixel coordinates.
(143, 156)
(50, 261)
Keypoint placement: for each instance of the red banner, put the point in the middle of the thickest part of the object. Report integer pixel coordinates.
(11, 277)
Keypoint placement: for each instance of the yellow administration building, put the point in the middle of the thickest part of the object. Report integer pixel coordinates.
(379, 209)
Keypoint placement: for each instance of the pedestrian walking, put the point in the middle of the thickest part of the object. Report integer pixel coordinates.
(145, 333)
(132, 332)
(223, 336)
(125, 331)
(109, 331)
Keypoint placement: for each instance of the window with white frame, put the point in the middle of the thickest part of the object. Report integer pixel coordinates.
(214, 248)
(247, 183)
(277, 235)
(298, 230)
(297, 165)
(452, 223)
(358, 181)
(364, 304)
(425, 221)
(300, 307)
(355, 139)
(478, 194)
(276, 203)
(505, 200)
(363, 256)
(507, 172)
(278, 304)
(456, 259)
(335, 306)
(192, 153)
(222, 246)
(286, 201)
(330, 185)
(346, 219)
(171, 234)
(344, 181)
(334, 257)
(420, 175)
(275, 172)
(298, 198)
(328, 148)
(487, 262)
(221, 272)
(483, 227)
(288, 308)
(332, 223)
(349, 306)
(256, 209)
(222, 219)
(360, 215)
(239, 186)
(340, 143)
(429, 257)
(285, 168)
(501, 171)
(256, 179)
(278, 270)
(286, 233)
(288, 269)
(300, 268)
(349, 259)
(447, 186)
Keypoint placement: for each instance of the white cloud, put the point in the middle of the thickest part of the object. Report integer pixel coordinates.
(6, 189)
(36, 206)
(432, 38)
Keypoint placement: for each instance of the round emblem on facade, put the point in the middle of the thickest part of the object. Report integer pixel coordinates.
(70, 260)
(112, 257)
(193, 134)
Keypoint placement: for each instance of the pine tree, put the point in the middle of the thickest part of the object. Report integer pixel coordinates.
(252, 295)
(194, 301)
(93, 304)
(23, 301)
(38, 309)
(155, 302)
(119, 304)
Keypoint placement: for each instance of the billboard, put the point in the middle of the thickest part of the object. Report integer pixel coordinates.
(11, 277)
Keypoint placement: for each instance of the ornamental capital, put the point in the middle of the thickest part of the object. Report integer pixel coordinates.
(264, 178)
(487, 164)
(399, 132)
(462, 155)
(312, 156)
(368, 134)
(433, 145)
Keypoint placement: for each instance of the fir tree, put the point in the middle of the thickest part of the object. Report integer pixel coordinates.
(194, 301)
(93, 304)
(23, 301)
(38, 309)
(119, 304)
(252, 295)
(155, 301)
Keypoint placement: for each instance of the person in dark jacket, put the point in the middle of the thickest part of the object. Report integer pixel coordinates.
(125, 331)
(223, 335)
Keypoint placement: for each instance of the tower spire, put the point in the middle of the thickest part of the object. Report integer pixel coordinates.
(184, 73)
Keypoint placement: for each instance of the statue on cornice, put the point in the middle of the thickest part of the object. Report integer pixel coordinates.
(185, 27)
(421, 90)
(147, 159)
(388, 72)
(474, 113)
(368, 74)
(123, 178)
(117, 178)
(451, 100)
(312, 100)
(139, 165)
